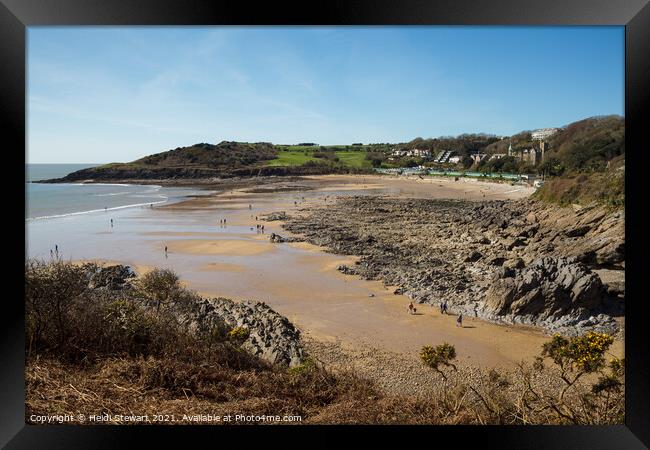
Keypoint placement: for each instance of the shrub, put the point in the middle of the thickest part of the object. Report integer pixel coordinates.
(238, 334)
(441, 355)
(158, 286)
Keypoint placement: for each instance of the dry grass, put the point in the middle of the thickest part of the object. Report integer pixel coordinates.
(96, 352)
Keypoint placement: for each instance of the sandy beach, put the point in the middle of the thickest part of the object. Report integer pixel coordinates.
(300, 280)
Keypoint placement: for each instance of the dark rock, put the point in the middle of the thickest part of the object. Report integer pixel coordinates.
(114, 277)
(547, 287)
(473, 256)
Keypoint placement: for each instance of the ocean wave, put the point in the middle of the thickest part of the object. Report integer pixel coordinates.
(77, 213)
(111, 194)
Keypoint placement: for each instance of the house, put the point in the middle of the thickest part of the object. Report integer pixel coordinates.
(416, 152)
(497, 156)
(422, 153)
(454, 159)
(543, 133)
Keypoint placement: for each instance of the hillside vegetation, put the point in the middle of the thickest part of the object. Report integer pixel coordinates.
(593, 145)
(94, 349)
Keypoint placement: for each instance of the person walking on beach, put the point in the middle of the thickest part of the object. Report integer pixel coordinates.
(111, 223)
(250, 206)
(459, 321)
(262, 229)
(165, 249)
(51, 254)
(56, 249)
(444, 308)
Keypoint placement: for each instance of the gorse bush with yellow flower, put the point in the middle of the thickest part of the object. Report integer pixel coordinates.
(580, 387)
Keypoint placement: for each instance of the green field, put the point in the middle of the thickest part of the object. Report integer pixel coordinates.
(291, 158)
(353, 159)
(298, 156)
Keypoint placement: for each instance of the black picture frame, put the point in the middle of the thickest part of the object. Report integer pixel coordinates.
(16, 15)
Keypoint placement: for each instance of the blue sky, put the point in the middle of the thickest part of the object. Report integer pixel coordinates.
(106, 94)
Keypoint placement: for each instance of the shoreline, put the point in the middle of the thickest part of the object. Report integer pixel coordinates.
(300, 280)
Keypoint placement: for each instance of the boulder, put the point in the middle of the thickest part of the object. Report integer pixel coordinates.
(548, 287)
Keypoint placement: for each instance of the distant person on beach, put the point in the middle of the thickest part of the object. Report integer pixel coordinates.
(412, 309)
(262, 228)
(459, 321)
(111, 223)
(444, 308)
(250, 207)
(51, 254)
(56, 249)
(165, 249)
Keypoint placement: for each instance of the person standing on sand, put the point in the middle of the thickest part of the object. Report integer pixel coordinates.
(459, 321)
(111, 223)
(444, 308)
(51, 254)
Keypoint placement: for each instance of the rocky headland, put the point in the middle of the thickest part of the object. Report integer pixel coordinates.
(525, 262)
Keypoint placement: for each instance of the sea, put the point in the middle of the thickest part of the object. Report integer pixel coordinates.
(48, 201)
(85, 220)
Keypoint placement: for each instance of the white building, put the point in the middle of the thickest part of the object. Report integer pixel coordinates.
(497, 156)
(454, 159)
(420, 153)
(543, 133)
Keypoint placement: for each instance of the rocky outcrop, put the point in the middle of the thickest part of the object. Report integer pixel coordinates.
(116, 277)
(460, 251)
(269, 335)
(279, 215)
(277, 239)
(547, 291)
